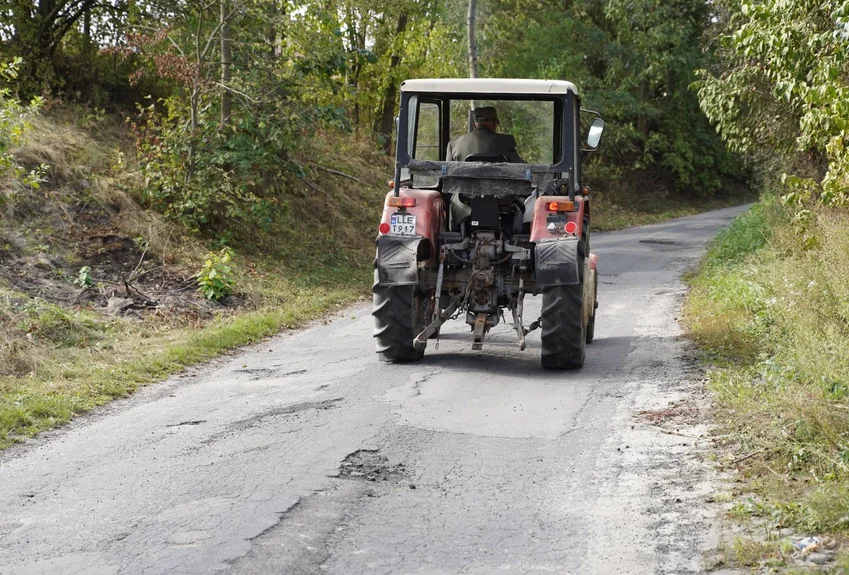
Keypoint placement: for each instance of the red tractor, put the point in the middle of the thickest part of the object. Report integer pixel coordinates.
(471, 236)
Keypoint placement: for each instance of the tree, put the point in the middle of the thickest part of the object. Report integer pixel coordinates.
(473, 46)
(384, 121)
(781, 87)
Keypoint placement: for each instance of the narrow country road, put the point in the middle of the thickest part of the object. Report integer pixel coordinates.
(306, 455)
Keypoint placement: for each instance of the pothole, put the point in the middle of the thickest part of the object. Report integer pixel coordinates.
(659, 241)
(268, 372)
(370, 465)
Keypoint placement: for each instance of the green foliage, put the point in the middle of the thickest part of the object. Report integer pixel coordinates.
(217, 279)
(209, 179)
(14, 121)
(781, 88)
(633, 62)
(84, 277)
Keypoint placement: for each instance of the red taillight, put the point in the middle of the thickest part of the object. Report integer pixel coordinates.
(401, 202)
(384, 228)
(565, 206)
(571, 227)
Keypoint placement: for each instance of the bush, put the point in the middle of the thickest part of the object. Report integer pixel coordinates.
(208, 180)
(216, 278)
(14, 121)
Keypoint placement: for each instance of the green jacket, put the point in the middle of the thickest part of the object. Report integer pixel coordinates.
(483, 141)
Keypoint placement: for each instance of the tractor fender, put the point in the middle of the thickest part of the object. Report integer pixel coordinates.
(398, 256)
(557, 262)
(397, 260)
(541, 218)
(429, 211)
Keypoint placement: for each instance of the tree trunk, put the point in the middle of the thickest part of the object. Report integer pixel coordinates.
(385, 121)
(642, 118)
(194, 98)
(226, 61)
(473, 45)
(354, 77)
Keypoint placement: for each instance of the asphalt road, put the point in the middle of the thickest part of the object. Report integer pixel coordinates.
(306, 455)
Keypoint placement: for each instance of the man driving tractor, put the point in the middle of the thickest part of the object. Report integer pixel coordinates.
(484, 139)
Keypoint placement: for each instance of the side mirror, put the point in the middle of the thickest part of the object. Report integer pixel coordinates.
(594, 135)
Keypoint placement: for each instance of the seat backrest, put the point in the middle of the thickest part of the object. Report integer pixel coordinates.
(484, 157)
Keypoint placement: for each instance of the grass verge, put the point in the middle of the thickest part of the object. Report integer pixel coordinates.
(769, 307)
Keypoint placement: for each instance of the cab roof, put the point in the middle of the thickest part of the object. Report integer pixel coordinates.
(513, 86)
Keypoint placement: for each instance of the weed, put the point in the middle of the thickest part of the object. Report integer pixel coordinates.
(84, 277)
(753, 553)
(216, 278)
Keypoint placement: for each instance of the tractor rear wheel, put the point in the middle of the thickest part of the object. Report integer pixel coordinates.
(563, 331)
(399, 316)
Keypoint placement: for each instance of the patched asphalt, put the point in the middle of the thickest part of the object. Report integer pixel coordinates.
(304, 454)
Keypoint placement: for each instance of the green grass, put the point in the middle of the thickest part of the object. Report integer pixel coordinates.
(770, 311)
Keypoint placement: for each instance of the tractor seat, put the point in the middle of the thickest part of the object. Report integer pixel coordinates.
(484, 157)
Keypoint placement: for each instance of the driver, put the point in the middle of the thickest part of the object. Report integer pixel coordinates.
(484, 139)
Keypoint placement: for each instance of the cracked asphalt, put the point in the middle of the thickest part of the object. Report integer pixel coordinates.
(304, 454)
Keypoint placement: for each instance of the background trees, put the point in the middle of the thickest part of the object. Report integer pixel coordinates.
(781, 88)
(224, 94)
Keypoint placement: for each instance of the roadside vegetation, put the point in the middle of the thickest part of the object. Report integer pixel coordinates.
(99, 296)
(772, 318)
(769, 305)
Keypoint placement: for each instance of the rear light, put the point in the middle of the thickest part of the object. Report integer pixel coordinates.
(564, 206)
(401, 202)
(384, 228)
(570, 227)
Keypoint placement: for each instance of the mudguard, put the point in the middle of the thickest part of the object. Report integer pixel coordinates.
(557, 262)
(397, 263)
(541, 218)
(429, 214)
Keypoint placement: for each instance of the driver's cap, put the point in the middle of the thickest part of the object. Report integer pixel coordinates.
(485, 114)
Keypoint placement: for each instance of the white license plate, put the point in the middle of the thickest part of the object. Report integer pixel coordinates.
(402, 224)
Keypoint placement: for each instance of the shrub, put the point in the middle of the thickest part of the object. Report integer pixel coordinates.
(216, 278)
(14, 121)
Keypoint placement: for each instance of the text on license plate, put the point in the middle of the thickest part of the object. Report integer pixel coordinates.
(402, 224)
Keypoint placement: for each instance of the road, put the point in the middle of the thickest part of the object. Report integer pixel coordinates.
(304, 454)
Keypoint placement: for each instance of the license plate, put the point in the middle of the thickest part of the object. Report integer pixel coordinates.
(402, 224)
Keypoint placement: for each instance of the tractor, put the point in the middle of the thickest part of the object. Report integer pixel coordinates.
(470, 237)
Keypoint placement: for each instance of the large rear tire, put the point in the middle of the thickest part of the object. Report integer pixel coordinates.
(395, 322)
(563, 331)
